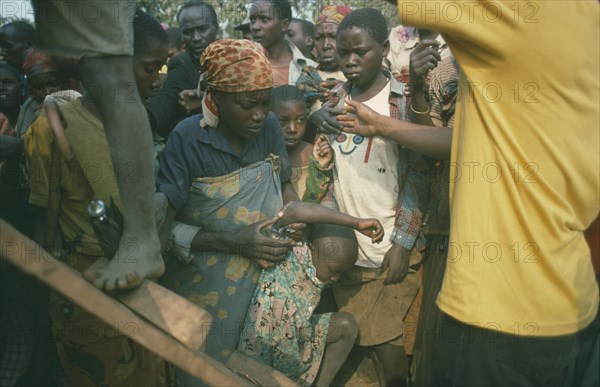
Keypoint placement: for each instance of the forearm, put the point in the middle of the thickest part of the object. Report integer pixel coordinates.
(213, 241)
(429, 140)
(289, 193)
(313, 213)
(420, 106)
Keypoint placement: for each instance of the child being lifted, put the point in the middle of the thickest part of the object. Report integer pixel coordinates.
(280, 328)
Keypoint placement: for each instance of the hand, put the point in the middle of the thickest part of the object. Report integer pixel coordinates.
(328, 85)
(423, 58)
(252, 244)
(360, 119)
(371, 228)
(6, 128)
(287, 216)
(397, 261)
(322, 151)
(190, 100)
(324, 119)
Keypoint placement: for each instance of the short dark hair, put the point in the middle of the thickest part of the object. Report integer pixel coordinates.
(370, 20)
(307, 27)
(333, 242)
(282, 8)
(286, 93)
(200, 3)
(23, 31)
(147, 31)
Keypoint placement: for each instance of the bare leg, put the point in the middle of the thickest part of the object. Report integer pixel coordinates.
(111, 84)
(394, 363)
(340, 340)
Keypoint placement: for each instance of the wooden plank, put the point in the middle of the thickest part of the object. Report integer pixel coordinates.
(34, 260)
(258, 373)
(186, 322)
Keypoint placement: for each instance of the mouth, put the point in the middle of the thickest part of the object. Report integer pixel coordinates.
(351, 76)
(255, 130)
(291, 142)
(257, 38)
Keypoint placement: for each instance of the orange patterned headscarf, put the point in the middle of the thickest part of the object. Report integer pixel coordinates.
(232, 66)
(333, 14)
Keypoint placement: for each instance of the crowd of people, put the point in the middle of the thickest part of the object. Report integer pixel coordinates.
(314, 185)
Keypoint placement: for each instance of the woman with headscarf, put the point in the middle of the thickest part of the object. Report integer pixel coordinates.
(225, 174)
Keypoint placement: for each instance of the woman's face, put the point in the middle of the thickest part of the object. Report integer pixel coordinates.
(244, 114)
(146, 66)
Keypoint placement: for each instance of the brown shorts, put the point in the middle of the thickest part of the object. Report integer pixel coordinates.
(378, 309)
(85, 28)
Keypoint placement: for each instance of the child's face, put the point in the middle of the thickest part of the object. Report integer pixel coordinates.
(329, 271)
(44, 84)
(360, 56)
(292, 118)
(146, 66)
(265, 25)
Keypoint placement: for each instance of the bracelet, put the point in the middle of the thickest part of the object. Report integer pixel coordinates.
(417, 112)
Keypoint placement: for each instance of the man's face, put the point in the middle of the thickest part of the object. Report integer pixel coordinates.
(265, 25)
(12, 48)
(197, 29)
(325, 45)
(295, 34)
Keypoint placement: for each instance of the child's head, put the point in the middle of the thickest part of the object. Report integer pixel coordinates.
(361, 45)
(269, 21)
(150, 52)
(289, 105)
(334, 250)
(301, 32)
(175, 42)
(42, 75)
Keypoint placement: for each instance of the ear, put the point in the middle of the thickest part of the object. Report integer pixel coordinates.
(308, 41)
(386, 48)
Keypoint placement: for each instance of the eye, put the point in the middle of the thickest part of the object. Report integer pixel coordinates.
(341, 138)
(358, 139)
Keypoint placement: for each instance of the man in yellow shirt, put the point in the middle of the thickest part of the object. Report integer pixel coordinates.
(519, 294)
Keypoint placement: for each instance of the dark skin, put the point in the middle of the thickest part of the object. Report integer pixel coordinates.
(242, 116)
(44, 84)
(360, 58)
(343, 329)
(269, 30)
(423, 58)
(13, 46)
(296, 35)
(325, 46)
(198, 30)
(10, 98)
(137, 198)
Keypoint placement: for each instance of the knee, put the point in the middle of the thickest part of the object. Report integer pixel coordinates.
(346, 325)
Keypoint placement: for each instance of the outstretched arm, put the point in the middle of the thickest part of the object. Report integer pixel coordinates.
(299, 212)
(429, 140)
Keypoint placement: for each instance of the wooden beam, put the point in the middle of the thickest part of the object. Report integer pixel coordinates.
(34, 260)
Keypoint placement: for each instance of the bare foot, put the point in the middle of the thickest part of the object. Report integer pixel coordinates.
(133, 263)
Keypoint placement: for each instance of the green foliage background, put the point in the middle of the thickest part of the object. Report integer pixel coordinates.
(232, 13)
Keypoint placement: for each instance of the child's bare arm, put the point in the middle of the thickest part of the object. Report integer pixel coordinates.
(299, 212)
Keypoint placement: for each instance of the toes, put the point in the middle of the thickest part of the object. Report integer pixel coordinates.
(132, 277)
(99, 282)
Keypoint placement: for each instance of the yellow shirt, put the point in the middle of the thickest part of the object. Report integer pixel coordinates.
(525, 173)
(90, 147)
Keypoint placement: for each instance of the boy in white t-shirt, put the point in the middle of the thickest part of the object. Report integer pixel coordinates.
(377, 178)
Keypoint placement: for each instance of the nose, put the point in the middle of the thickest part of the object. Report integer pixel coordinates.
(352, 60)
(254, 27)
(292, 127)
(196, 35)
(329, 43)
(259, 114)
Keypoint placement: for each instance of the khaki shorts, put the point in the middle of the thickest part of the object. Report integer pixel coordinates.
(85, 28)
(378, 309)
